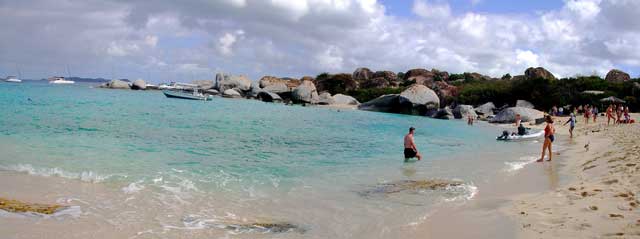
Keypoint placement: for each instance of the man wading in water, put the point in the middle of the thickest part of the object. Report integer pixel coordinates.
(410, 150)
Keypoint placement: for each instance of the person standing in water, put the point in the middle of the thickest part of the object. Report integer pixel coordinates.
(572, 121)
(549, 132)
(410, 149)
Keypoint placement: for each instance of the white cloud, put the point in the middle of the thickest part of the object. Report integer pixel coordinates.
(586, 9)
(306, 37)
(151, 40)
(526, 58)
(425, 9)
(330, 58)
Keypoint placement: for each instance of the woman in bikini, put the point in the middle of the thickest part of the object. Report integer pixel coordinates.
(549, 132)
(610, 115)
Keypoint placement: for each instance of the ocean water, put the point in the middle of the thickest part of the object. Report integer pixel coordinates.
(207, 167)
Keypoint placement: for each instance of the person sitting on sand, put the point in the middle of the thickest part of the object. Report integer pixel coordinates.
(410, 150)
(572, 121)
(549, 132)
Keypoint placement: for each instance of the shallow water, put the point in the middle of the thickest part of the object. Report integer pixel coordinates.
(206, 166)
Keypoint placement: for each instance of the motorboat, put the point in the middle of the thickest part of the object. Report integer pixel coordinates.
(60, 80)
(13, 79)
(195, 95)
(185, 91)
(529, 135)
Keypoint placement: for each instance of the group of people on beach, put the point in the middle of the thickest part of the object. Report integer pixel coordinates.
(621, 114)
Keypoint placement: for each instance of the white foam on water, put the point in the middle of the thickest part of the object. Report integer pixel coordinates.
(133, 187)
(514, 166)
(464, 192)
(85, 176)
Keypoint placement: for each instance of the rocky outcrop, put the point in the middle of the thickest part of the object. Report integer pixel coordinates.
(538, 73)
(211, 92)
(362, 74)
(336, 83)
(419, 99)
(231, 93)
(420, 76)
(274, 85)
(204, 84)
(508, 115)
(444, 91)
(476, 76)
(464, 112)
(224, 82)
(524, 104)
(409, 186)
(116, 84)
(486, 109)
(306, 92)
(381, 79)
(268, 97)
(445, 113)
(325, 98)
(23, 207)
(385, 103)
(617, 76)
(139, 84)
(340, 99)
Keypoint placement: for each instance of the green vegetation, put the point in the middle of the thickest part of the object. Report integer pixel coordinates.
(544, 94)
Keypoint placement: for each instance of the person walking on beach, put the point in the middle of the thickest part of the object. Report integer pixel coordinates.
(587, 114)
(549, 132)
(410, 149)
(572, 124)
(610, 115)
(595, 113)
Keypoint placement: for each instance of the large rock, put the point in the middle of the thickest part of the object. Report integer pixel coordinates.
(444, 91)
(524, 104)
(419, 99)
(385, 103)
(362, 74)
(325, 98)
(420, 76)
(617, 76)
(464, 112)
(381, 79)
(306, 92)
(486, 109)
(116, 84)
(444, 113)
(204, 84)
(539, 73)
(211, 92)
(340, 99)
(139, 84)
(225, 82)
(336, 83)
(274, 85)
(476, 76)
(231, 93)
(508, 115)
(269, 97)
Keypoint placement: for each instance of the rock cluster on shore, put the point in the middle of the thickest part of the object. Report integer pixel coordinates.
(423, 92)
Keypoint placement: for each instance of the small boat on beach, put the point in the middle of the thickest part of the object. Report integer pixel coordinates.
(13, 79)
(186, 91)
(506, 136)
(60, 80)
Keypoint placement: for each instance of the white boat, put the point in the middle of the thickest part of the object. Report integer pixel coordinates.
(506, 136)
(59, 80)
(13, 79)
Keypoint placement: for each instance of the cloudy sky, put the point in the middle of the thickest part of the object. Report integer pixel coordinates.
(167, 40)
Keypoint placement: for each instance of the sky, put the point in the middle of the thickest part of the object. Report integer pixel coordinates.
(166, 40)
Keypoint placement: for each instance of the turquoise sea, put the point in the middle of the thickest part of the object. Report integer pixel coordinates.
(192, 165)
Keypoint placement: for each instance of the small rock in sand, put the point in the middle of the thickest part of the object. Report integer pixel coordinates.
(594, 208)
(616, 215)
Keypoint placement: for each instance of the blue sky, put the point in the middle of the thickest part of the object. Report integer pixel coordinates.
(403, 7)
